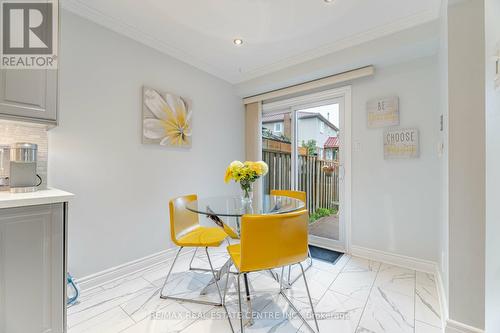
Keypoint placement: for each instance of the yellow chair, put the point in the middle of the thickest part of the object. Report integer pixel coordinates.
(271, 241)
(302, 196)
(299, 195)
(186, 231)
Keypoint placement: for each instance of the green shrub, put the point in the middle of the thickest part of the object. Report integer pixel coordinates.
(321, 212)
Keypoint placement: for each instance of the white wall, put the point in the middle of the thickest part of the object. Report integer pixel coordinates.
(389, 212)
(443, 107)
(400, 47)
(389, 209)
(466, 162)
(122, 187)
(492, 20)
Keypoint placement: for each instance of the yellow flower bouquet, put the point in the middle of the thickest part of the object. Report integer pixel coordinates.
(245, 173)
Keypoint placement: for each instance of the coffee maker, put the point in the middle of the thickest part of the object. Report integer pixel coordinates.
(18, 168)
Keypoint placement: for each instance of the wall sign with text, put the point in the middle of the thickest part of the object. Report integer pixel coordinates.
(383, 112)
(401, 143)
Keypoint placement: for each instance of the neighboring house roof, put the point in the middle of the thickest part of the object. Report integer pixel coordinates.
(273, 118)
(269, 135)
(278, 117)
(332, 142)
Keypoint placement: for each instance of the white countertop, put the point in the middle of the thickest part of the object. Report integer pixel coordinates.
(48, 196)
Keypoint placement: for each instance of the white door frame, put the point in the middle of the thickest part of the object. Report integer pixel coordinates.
(319, 98)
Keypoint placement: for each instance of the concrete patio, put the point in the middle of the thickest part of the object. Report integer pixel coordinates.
(326, 227)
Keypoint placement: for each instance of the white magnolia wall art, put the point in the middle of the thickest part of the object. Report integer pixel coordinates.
(166, 119)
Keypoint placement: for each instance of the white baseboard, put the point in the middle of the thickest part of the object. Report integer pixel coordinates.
(394, 259)
(443, 300)
(456, 327)
(451, 326)
(131, 267)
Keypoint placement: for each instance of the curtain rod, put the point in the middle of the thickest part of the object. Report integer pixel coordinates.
(317, 83)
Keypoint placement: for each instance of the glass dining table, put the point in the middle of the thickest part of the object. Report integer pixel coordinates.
(226, 212)
(233, 206)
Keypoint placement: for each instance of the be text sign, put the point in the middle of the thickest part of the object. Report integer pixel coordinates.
(383, 112)
(401, 143)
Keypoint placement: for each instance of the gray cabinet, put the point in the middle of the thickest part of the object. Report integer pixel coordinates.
(32, 269)
(29, 94)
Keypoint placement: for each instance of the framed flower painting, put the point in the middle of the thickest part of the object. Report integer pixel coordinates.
(166, 119)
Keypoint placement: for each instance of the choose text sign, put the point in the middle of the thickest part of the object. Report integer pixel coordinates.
(401, 143)
(29, 34)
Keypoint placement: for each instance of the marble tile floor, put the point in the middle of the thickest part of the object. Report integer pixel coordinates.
(354, 295)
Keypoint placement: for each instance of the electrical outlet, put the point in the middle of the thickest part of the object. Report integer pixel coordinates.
(357, 146)
(440, 149)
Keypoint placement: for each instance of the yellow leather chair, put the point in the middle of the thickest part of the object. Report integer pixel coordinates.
(185, 231)
(302, 196)
(299, 195)
(271, 241)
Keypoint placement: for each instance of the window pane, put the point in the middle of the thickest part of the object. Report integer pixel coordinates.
(277, 150)
(317, 167)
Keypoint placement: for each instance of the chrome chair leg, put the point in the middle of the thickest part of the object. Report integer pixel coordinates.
(181, 299)
(168, 274)
(199, 269)
(290, 283)
(249, 301)
(192, 258)
(282, 293)
(214, 275)
(309, 296)
(218, 289)
(281, 277)
(292, 306)
(239, 303)
(274, 275)
(225, 287)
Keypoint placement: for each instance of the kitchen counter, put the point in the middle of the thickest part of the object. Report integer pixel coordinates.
(42, 197)
(33, 245)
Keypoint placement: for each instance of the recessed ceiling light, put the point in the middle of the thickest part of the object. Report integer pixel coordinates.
(237, 41)
(328, 1)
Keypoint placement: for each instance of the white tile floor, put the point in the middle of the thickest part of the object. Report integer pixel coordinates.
(354, 295)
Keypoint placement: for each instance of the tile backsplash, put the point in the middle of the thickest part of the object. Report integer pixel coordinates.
(12, 132)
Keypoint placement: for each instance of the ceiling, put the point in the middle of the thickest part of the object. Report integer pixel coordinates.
(276, 33)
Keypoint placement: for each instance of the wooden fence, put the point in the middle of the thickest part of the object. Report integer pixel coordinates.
(322, 189)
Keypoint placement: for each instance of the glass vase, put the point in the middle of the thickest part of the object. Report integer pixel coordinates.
(246, 193)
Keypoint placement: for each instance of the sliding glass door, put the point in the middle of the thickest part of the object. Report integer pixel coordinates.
(302, 144)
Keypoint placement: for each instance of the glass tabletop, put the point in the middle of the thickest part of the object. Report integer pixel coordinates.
(234, 206)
